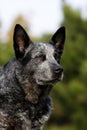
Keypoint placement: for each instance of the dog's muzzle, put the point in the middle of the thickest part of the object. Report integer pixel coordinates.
(58, 72)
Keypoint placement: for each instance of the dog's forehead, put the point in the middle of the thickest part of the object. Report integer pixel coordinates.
(46, 48)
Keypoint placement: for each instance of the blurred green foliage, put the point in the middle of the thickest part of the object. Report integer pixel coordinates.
(6, 53)
(69, 96)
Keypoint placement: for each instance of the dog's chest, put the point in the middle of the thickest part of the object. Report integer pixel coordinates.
(33, 120)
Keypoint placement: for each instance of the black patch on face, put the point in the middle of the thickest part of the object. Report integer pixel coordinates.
(26, 59)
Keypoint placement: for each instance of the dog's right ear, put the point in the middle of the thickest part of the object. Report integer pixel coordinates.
(21, 41)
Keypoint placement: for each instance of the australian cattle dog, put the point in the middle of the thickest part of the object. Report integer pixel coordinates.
(26, 81)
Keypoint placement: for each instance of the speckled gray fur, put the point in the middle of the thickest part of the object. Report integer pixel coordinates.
(26, 81)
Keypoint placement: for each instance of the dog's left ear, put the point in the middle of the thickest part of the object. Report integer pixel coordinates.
(58, 39)
(21, 41)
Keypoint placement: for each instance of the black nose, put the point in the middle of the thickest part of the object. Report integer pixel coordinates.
(58, 69)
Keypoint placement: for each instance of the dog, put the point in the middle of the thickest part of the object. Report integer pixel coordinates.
(26, 81)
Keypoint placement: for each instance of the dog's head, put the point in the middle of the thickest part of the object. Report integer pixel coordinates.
(40, 61)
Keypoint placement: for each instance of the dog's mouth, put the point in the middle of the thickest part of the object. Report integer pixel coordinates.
(52, 81)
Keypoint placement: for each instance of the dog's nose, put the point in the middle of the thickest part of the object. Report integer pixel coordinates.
(58, 70)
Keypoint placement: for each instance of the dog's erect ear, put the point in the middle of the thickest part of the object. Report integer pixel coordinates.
(21, 41)
(58, 39)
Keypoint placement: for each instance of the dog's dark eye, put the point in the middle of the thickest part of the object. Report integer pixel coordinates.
(41, 57)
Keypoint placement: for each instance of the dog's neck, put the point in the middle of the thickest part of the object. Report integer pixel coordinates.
(35, 93)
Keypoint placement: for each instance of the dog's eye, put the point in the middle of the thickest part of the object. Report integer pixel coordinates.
(41, 57)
